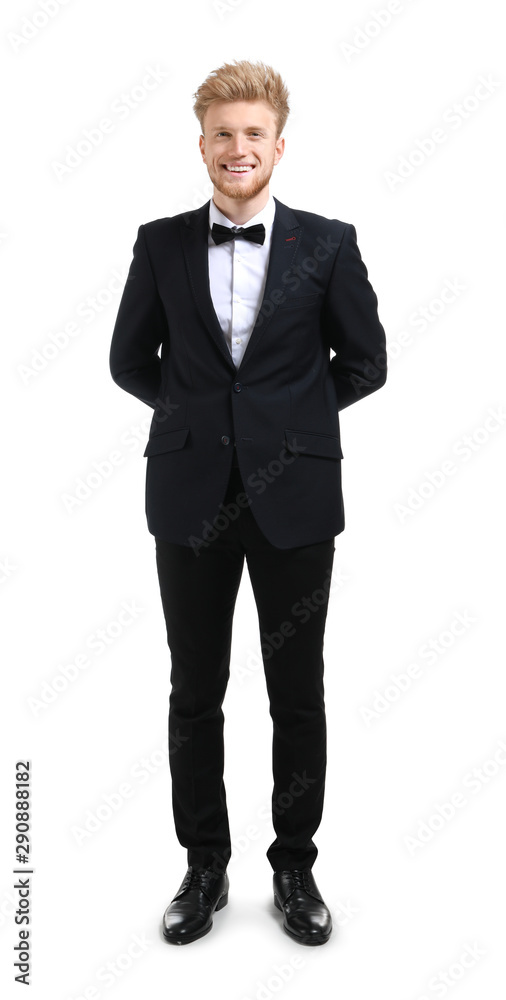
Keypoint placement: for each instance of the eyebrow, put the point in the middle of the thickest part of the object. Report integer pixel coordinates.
(258, 128)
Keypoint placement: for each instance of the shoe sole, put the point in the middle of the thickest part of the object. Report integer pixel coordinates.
(187, 939)
(310, 938)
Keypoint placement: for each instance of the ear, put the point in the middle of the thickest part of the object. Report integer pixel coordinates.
(280, 148)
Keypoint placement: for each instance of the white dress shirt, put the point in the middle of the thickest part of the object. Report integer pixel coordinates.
(237, 276)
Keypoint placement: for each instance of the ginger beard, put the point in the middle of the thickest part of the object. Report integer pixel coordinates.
(240, 186)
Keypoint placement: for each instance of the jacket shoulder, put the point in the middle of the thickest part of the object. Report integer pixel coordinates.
(311, 220)
(172, 222)
(165, 225)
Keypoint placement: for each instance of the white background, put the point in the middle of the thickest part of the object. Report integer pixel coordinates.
(404, 911)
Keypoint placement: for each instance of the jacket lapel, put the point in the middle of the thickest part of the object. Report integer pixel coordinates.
(194, 234)
(286, 237)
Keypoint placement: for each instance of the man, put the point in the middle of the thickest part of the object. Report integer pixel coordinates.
(246, 298)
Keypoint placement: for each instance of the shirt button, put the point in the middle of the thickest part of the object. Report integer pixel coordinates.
(238, 341)
(225, 439)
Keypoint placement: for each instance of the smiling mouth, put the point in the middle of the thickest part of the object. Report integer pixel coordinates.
(246, 169)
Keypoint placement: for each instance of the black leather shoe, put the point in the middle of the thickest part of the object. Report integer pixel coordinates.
(306, 918)
(189, 915)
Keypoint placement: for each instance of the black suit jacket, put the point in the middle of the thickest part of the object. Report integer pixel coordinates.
(281, 404)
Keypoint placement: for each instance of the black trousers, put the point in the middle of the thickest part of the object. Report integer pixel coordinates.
(198, 592)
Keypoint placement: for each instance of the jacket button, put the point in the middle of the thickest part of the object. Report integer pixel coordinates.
(225, 439)
(237, 387)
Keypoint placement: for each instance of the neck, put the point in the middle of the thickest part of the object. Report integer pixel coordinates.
(240, 211)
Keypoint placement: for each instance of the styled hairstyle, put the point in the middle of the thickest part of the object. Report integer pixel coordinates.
(244, 81)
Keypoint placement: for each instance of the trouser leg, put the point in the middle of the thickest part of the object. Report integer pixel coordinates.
(291, 589)
(198, 597)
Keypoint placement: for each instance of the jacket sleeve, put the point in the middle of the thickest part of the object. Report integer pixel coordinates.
(139, 330)
(352, 327)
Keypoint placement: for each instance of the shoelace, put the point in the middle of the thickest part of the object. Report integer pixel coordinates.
(195, 879)
(300, 878)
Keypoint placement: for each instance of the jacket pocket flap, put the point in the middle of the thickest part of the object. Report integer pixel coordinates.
(306, 442)
(168, 441)
(301, 300)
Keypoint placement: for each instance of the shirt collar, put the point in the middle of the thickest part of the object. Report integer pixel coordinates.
(266, 215)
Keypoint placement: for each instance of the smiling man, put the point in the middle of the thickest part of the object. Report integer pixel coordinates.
(245, 131)
(246, 298)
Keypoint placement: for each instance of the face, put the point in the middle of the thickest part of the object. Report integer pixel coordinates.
(240, 133)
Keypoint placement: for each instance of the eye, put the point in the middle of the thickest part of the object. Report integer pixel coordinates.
(227, 133)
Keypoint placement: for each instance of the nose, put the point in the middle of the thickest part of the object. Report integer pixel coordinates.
(237, 148)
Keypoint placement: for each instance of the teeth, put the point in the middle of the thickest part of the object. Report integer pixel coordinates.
(240, 169)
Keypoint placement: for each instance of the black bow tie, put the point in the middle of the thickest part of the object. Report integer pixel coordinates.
(221, 234)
